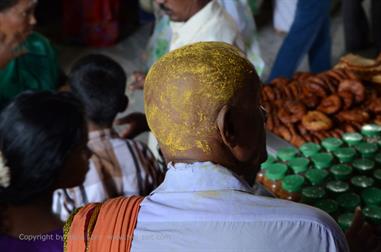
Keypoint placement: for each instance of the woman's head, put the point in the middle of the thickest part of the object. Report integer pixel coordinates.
(43, 141)
(17, 18)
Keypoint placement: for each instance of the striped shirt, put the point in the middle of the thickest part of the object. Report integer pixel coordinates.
(117, 167)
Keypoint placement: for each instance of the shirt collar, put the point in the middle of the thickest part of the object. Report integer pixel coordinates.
(200, 176)
(183, 30)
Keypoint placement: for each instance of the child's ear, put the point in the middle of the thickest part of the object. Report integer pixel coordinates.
(124, 104)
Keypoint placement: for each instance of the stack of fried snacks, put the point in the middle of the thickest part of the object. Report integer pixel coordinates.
(309, 108)
(365, 69)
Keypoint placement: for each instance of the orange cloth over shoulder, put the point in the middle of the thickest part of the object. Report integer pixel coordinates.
(103, 227)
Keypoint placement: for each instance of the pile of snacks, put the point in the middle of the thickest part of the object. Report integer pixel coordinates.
(336, 176)
(309, 108)
(365, 69)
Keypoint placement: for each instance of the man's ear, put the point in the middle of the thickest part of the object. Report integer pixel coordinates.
(225, 125)
(124, 104)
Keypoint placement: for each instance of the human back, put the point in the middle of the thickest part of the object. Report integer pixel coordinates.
(205, 113)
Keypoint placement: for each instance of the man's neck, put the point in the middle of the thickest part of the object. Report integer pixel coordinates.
(219, 155)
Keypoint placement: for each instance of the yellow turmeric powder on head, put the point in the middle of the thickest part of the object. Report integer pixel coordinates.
(185, 89)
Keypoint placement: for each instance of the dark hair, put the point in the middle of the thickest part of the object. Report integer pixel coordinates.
(6, 4)
(100, 84)
(37, 132)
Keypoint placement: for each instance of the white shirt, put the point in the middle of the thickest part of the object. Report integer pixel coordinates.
(204, 207)
(211, 23)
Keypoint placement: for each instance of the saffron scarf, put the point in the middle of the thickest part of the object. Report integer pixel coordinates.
(105, 226)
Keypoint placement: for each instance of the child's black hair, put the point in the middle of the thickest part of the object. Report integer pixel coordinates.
(100, 83)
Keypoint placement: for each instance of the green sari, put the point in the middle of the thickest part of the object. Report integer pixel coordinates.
(37, 70)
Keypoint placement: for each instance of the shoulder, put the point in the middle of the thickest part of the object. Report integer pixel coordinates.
(271, 209)
(39, 44)
(306, 221)
(222, 27)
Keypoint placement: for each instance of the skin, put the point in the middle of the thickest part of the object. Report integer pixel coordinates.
(181, 10)
(36, 217)
(224, 125)
(16, 23)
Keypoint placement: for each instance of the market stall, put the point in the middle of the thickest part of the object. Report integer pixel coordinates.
(324, 140)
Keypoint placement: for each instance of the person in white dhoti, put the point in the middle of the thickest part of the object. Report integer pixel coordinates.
(229, 21)
(187, 22)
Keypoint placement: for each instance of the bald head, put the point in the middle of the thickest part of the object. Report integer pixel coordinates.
(186, 89)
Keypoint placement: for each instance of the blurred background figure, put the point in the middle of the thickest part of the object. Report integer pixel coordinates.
(239, 10)
(284, 13)
(98, 23)
(43, 140)
(309, 34)
(359, 33)
(27, 59)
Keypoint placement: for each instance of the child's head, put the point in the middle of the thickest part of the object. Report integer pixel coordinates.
(43, 139)
(100, 84)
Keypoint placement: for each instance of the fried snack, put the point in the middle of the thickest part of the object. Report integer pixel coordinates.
(330, 104)
(287, 92)
(292, 112)
(294, 87)
(316, 121)
(268, 93)
(357, 126)
(280, 82)
(374, 105)
(357, 61)
(284, 132)
(267, 107)
(337, 75)
(302, 130)
(314, 88)
(337, 133)
(319, 135)
(297, 140)
(310, 100)
(349, 74)
(353, 116)
(355, 87)
(347, 98)
(302, 76)
(270, 122)
(277, 93)
(349, 128)
(376, 79)
(365, 69)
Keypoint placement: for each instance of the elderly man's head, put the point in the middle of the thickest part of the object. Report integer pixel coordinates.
(181, 10)
(202, 104)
